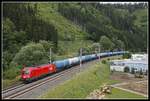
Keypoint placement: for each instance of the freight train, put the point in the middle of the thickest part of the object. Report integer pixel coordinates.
(32, 73)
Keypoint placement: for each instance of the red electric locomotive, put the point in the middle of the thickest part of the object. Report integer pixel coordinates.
(30, 73)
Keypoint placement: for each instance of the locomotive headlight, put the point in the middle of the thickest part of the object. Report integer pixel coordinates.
(50, 68)
(26, 76)
(23, 77)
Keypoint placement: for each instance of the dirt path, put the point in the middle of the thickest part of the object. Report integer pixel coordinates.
(124, 83)
(129, 90)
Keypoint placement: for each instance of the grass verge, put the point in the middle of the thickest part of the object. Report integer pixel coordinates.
(83, 83)
(9, 82)
(117, 93)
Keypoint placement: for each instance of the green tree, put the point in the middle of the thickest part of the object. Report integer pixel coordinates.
(46, 44)
(119, 44)
(8, 28)
(12, 41)
(31, 54)
(95, 47)
(106, 43)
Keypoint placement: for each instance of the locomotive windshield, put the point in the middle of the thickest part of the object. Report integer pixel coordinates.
(26, 71)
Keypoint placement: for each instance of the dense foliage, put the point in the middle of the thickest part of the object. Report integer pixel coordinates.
(24, 16)
(30, 29)
(21, 25)
(118, 22)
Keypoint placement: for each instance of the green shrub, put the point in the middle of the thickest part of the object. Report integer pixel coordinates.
(104, 61)
(11, 73)
(127, 55)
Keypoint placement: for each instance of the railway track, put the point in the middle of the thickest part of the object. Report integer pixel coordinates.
(20, 90)
(16, 84)
(12, 88)
(23, 88)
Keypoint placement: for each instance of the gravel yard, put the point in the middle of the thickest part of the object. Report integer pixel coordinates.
(141, 87)
(125, 77)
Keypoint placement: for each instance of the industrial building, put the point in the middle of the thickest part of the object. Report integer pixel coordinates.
(138, 61)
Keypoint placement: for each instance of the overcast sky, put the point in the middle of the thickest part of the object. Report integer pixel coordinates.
(121, 2)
